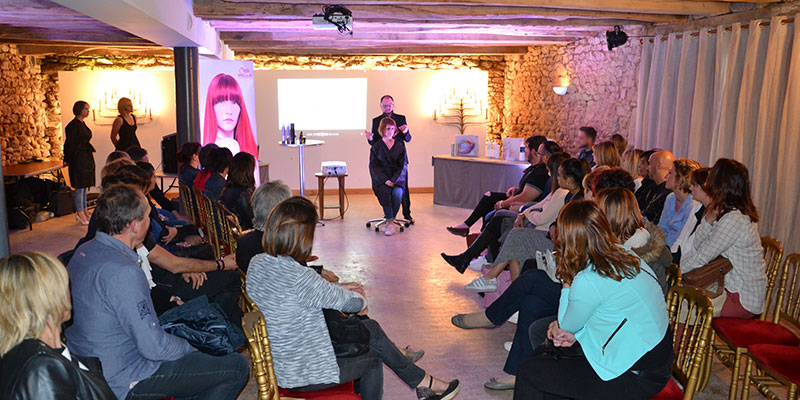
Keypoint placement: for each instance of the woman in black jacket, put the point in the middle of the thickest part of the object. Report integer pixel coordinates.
(78, 155)
(239, 188)
(388, 170)
(36, 365)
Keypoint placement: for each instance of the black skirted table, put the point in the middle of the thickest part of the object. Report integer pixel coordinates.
(461, 181)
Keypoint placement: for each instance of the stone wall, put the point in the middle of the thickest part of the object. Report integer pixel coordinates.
(602, 90)
(24, 133)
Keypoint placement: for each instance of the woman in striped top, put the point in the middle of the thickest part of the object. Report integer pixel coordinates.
(292, 297)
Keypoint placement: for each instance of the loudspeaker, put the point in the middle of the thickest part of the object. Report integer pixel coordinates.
(169, 153)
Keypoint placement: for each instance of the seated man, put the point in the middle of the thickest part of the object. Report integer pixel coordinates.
(531, 188)
(651, 202)
(114, 319)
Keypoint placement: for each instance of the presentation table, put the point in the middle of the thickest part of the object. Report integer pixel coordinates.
(33, 169)
(300, 147)
(461, 181)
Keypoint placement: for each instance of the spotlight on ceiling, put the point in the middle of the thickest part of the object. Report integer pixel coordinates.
(616, 37)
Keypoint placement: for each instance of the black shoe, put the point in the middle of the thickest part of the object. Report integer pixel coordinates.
(409, 219)
(463, 232)
(457, 262)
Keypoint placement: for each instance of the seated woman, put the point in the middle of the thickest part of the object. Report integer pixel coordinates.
(239, 187)
(536, 221)
(611, 315)
(606, 154)
(188, 163)
(682, 246)
(264, 199)
(679, 204)
(292, 297)
(531, 188)
(630, 163)
(169, 230)
(570, 175)
(211, 180)
(36, 364)
(730, 229)
(388, 169)
(535, 293)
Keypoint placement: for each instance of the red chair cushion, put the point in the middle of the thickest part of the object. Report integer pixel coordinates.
(670, 392)
(783, 360)
(747, 332)
(345, 391)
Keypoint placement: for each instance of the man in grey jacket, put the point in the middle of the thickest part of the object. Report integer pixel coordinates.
(114, 318)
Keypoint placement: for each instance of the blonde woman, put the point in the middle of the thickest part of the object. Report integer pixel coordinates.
(123, 131)
(630, 163)
(605, 153)
(36, 365)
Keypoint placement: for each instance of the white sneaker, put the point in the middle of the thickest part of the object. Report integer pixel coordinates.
(507, 346)
(481, 284)
(477, 264)
(513, 318)
(389, 229)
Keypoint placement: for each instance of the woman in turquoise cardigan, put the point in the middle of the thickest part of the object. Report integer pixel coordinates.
(610, 340)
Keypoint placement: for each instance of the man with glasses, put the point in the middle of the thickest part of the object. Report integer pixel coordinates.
(403, 133)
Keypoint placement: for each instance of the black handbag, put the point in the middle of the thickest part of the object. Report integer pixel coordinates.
(349, 336)
(550, 351)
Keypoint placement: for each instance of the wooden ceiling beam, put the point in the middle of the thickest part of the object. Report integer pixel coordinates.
(406, 50)
(344, 45)
(62, 35)
(216, 10)
(70, 49)
(675, 7)
(359, 37)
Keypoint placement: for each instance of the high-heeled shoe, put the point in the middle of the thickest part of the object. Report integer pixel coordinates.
(81, 221)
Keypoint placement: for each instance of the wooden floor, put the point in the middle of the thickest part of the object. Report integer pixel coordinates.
(412, 292)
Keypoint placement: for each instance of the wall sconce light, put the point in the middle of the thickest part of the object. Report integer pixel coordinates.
(107, 112)
(560, 90)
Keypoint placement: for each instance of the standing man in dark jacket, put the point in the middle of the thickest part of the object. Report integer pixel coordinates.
(403, 133)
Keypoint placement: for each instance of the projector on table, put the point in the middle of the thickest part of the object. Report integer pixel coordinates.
(334, 168)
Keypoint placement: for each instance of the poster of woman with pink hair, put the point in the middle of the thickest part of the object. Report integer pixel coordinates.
(227, 100)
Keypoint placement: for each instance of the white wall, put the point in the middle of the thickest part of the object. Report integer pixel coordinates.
(415, 92)
(158, 86)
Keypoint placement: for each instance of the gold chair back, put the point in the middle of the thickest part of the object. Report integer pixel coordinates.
(690, 313)
(789, 291)
(674, 276)
(255, 329)
(210, 221)
(773, 252)
(230, 230)
(187, 198)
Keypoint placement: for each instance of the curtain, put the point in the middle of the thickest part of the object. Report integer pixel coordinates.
(730, 91)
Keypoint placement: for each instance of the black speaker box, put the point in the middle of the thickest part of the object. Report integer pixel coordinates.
(169, 154)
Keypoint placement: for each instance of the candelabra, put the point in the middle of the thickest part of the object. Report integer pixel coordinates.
(106, 111)
(461, 111)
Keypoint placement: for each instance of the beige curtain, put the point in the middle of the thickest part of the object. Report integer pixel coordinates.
(731, 91)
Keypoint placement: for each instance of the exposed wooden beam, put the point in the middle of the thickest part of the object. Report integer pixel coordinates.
(71, 49)
(68, 35)
(406, 50)
(778, 9)
(236, 38)
(214, 10)
(676, 7)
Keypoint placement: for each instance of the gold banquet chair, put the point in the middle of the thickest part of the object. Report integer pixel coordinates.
(690, 313)
(736, 335)
(674, 276)
(779, 365)
(255, 329)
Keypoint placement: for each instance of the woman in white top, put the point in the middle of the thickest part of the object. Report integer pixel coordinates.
(730, 229)
(292, 297)
(630, 163)
(682, 247)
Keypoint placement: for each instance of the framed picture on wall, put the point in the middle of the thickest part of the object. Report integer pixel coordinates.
(467, 145)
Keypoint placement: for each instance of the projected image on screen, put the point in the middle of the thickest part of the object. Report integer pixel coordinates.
(323, 104)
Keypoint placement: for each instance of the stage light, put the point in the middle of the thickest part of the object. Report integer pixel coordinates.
(616, 37)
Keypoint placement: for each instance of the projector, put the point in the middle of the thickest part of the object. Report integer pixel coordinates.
(320, 23)
(334, 17)
(334, 168)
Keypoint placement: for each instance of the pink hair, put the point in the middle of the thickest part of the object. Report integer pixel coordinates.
(225, 88)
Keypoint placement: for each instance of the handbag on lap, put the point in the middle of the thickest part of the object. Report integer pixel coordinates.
(704, 277)
(350, 338)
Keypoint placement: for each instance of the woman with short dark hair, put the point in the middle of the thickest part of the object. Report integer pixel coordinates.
(388, 169)
(211, 180)
(79, 157)
(292, 296)
(188, 162)
(730, 229)
(239, 187)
